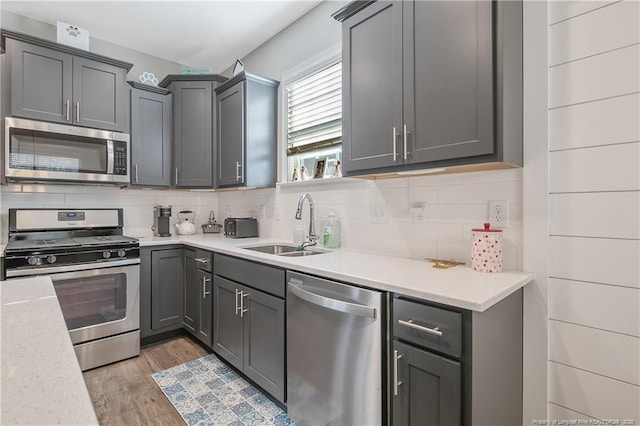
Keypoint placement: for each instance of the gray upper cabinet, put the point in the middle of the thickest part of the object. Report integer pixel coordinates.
(246, 131)
(99, 95)
(57, 83)
(448, 80)
(151, 120)
(430, 84)
(194, 117)
(40, 82)
(372, 87)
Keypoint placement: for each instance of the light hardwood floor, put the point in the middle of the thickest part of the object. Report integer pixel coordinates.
(125, 394)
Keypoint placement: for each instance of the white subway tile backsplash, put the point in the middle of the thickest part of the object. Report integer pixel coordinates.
(559, 10)
(607, 75)
(480, 193)
(584, 304)
(603, 122)
(592, 394)
(580, 39)
(440, 233)
(581, 170)
(597, 214)
(591, 349)
(600, 260)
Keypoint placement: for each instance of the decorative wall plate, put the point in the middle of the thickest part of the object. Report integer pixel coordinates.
(148, 78)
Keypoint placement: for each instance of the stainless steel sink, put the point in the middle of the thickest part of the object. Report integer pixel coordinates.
(288, 250)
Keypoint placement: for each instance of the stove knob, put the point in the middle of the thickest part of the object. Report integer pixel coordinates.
(51, 259)
(32, 260)
(121, 253)
(106, 254)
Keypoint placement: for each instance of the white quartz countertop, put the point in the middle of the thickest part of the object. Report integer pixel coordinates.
(458, 286)
(41, 378)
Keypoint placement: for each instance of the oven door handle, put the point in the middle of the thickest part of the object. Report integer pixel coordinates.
(70, 268)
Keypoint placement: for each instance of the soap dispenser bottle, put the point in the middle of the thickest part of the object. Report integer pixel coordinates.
(331, 231)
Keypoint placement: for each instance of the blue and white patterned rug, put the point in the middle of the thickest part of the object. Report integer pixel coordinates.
(207, 392)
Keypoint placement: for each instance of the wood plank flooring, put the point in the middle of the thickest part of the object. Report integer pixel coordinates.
(125, 394)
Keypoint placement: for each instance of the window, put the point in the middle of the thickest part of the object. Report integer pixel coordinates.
(314, 120)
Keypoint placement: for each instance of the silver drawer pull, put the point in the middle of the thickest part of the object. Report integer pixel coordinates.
(436, 330)
(396, 383)
(202, 260)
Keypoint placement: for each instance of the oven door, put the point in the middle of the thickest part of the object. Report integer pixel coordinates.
(101, 302)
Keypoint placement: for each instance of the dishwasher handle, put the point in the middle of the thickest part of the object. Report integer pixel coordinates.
(333, 304)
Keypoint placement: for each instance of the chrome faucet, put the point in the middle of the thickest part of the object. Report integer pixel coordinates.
(312, 239)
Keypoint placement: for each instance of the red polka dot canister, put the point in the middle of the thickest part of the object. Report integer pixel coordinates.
(486, 250)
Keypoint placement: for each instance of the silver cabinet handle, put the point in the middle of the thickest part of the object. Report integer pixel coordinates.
(333, 304)
(435, 331)
(135, 169)
(68, 109)
(405, 133)
(396, 383)
(242, 309)
(176, 175)
(78, 111)
(238, 307)
(202, 260)
(205, 280)
(395, 153)
(238, 176)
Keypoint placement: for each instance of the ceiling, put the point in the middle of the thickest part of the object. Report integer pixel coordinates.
(195, 33)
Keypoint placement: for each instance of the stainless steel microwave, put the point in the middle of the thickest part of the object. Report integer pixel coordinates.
(36, 151)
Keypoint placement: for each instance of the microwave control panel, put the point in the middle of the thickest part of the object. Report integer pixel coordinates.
(120, 158)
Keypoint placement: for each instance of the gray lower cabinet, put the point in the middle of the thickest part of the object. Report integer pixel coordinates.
(151, 126)
(430, 388)
(450, 366)
(249, 324)
(198, 295)
(161, 290)
(56, 83)
(246, 131)
(424, 84)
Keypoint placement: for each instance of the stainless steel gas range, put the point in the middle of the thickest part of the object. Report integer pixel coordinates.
(95, 271)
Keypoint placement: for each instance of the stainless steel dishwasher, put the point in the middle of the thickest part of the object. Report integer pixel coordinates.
(334, 352)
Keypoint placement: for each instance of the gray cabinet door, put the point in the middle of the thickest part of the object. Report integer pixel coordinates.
(372, 87)
(167, 275)
(193, 134)
(40, 82)
(150, 138)
(431, 389)
(191, 292)
(99, 95)
(448, 79)
(264, 342)
(231, 137)
(227, 322)
(205, 319)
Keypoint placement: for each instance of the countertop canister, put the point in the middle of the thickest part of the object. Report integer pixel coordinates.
(486, 250)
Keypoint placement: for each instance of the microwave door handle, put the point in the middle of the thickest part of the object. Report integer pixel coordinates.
(110, 157)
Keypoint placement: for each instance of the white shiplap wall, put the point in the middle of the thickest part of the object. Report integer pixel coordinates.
(594, 210)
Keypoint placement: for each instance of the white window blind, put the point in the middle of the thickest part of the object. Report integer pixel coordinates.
(314, 111)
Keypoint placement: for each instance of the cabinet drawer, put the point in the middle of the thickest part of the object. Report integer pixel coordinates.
(428, 326)
(203, 260)
(256, 275)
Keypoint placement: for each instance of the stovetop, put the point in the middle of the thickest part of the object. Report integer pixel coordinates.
(102, 241)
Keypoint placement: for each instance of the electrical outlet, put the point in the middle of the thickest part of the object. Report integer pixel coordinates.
(262, 211)
(276, 213)
(418, 213)
(499, 213)
(227, 210)
(378, 214)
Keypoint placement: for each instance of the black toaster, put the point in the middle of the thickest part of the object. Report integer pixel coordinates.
(240, 227)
